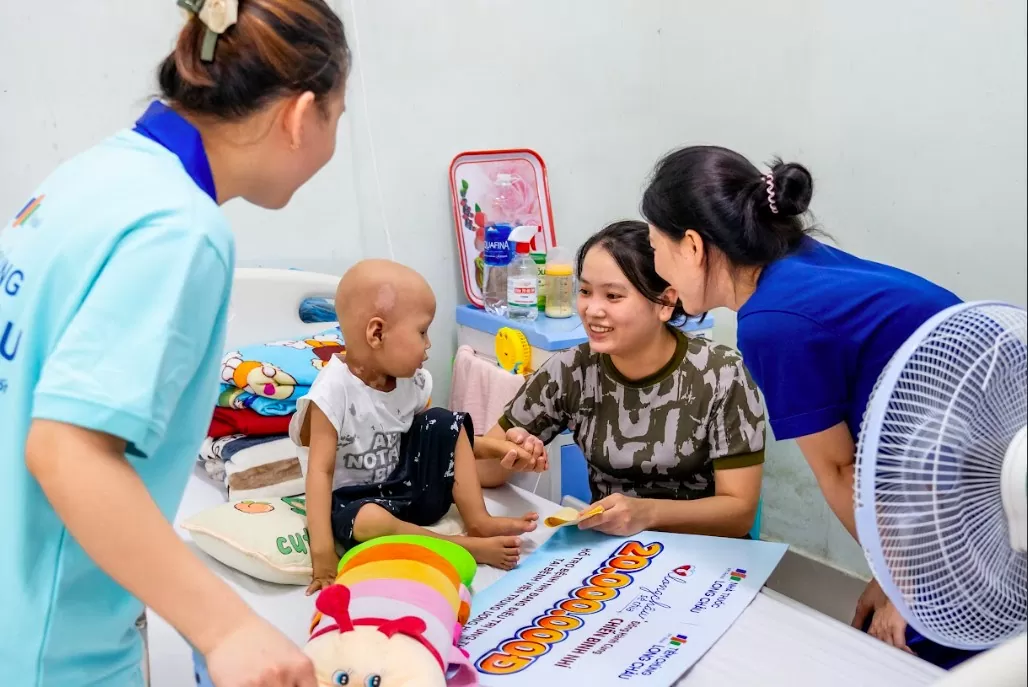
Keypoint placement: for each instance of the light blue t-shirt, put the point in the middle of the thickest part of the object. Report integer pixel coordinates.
(114, 288)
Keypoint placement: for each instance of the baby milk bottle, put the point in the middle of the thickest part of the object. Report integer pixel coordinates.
(560, 283)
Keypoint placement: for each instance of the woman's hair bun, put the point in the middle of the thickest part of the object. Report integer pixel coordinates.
(276, 48)
(750, 217)
(794, 187)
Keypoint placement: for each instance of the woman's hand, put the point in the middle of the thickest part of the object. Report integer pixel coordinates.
(890, 627)
(622, 516)
(257, 655)
(532, 456)
(886, 622)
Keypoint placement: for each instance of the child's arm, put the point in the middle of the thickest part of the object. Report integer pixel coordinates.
(321, 465)
(500, 453)
(106, 507)
(513, 444)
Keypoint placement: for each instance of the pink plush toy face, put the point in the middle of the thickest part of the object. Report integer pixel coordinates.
(364, 657)
(371, 653)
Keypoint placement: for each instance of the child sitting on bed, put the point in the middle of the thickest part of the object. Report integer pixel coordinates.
(381, 461)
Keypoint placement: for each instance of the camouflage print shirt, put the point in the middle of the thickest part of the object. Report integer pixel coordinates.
(664, 436)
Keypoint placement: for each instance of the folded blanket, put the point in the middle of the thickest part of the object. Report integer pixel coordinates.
(211, 459)
(227, 421)
(215, 469)
(269, 378)
(256, 467)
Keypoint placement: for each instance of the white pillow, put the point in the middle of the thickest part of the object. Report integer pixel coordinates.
(268, 539)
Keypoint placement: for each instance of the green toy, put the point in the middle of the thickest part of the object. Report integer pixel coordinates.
(456, 554)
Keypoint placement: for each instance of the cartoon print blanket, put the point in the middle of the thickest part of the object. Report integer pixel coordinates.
(269, 378)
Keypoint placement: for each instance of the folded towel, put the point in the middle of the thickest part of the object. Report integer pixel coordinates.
(256, 467)
(269, 378)
(481, 388)
(227, 421)
(215, 469)
(211, 459)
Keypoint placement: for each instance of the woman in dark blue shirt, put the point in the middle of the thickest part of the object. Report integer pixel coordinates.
(816, 325)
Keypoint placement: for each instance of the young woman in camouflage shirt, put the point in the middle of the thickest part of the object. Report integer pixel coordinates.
(672, 427)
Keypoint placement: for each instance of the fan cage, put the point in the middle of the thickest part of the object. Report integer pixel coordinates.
(927, 491)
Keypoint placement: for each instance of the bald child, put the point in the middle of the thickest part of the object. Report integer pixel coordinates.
(381, 461)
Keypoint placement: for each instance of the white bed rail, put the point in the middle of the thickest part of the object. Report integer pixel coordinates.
(266, 304)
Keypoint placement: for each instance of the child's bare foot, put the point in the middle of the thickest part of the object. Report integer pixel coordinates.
(499, 552)
(488, 526)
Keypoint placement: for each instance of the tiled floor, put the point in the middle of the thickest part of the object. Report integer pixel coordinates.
(817, 585)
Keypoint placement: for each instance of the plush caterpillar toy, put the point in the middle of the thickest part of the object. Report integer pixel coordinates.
(394, 615)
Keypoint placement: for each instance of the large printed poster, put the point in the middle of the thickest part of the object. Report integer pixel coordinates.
(595, 610)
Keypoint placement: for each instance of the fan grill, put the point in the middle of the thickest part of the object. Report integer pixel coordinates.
(929, 507)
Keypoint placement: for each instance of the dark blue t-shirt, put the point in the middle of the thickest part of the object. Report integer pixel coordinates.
(821, 327)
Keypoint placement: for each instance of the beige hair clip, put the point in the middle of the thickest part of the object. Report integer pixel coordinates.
(217, 16)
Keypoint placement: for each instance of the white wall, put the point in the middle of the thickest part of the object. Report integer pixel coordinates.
(911, 114)
(72, 73)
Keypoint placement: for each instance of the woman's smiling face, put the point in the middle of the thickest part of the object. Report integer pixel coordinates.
(617, 318)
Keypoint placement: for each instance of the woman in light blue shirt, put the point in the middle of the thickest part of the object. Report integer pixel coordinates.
(114, 290)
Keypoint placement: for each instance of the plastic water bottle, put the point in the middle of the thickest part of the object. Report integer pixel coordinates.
(523, 278)
(497, 259)
(497, 253)
(505, 201)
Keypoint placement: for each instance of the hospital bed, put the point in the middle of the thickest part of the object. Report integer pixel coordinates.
(776, 641)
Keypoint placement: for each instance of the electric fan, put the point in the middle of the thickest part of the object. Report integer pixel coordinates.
(940, 484)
